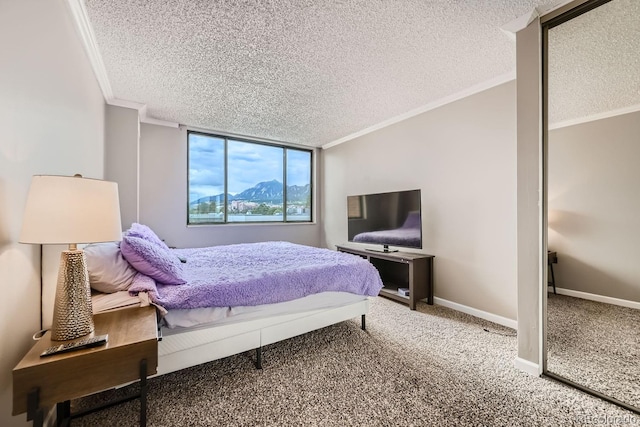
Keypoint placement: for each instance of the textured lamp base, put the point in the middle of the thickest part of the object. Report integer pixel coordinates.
(73, 312)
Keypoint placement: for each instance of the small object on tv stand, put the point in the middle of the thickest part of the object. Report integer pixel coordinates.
(403, 291)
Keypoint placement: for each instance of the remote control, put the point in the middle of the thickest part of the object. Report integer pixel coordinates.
(76, 345)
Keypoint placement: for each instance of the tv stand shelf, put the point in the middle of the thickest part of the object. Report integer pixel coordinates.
(400, 270)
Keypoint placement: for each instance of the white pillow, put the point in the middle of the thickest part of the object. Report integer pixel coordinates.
(108, 271)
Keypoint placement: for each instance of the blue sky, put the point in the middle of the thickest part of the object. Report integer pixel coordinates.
(248, 165)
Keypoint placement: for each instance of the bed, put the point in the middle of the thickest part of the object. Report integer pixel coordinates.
(234, 298)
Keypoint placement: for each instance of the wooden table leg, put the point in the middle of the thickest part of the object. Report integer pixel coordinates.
(63, 413)
(34, 411)
(430, 278)
(143, 392)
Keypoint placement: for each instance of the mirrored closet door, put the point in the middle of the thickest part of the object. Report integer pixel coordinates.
(592, 166)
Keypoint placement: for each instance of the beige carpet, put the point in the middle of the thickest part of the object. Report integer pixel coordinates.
(596, 345)
(430, 367)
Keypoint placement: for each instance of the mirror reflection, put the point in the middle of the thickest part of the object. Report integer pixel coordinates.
(593, 311)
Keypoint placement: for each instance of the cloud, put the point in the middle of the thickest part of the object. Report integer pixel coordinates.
(248, 164)
(298, 167)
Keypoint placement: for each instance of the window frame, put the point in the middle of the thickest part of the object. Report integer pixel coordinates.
(284, 147)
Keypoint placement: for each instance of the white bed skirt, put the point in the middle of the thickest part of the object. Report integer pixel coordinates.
(192, 347)
(242, 328)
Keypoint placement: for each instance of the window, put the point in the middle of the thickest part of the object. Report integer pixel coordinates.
(354, 207)
(232, 180)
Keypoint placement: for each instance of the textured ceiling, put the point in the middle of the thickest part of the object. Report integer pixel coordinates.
(594, 62)
(301, 71)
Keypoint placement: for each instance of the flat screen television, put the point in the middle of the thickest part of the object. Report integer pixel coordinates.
(387, 219)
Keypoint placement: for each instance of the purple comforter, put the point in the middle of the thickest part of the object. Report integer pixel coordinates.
(260, 273)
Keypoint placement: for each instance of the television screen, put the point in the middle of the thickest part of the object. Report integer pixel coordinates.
(388, 219)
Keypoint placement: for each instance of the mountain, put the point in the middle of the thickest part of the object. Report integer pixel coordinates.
(267, 192)
(298, 193)
(264, 192)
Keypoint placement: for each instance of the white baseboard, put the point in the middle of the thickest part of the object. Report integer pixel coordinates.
(527, 366)
(521, 364)
(509, 323)
(598, 298)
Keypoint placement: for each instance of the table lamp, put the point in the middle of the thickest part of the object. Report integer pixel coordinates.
(71, 210)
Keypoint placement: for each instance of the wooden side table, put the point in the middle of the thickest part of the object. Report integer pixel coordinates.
(131, 354)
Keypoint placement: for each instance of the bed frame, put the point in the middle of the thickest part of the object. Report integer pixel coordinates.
(189, 348)
(179, 350)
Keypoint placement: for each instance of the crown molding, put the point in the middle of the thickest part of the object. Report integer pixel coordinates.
(520, 23)
(480, 87)
(594, 117)
(158, 122)
(85, 31)
(144, 118)
(542, 12)
(116, 102)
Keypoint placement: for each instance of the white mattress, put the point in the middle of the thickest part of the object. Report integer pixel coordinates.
(176, 321)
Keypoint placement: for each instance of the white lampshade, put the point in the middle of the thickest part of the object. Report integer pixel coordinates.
(71, 210)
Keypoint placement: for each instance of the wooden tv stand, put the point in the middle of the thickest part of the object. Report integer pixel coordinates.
(400, 270)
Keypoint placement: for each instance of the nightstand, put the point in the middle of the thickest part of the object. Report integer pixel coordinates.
(131, 354)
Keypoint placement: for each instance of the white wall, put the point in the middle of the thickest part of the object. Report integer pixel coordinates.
(594, 206)
(463, 158)
(121, 158)
(163, 199)
(51, 122)
(529, 160)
